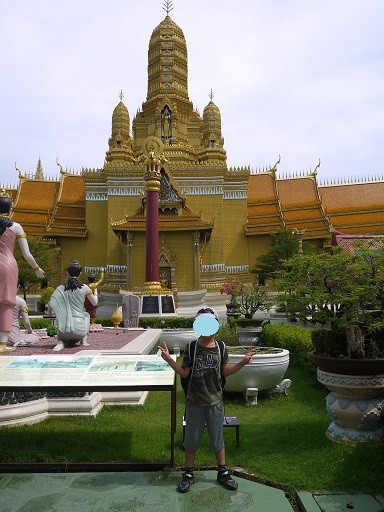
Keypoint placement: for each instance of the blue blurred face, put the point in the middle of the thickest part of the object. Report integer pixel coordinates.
(206, 325)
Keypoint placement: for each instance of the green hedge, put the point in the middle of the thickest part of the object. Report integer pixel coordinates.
(227, 333)
(296, 339)
(177, 322)
(38, 323)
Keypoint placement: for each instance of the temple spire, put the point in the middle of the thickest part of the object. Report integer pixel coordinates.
(211, 95)
(168, 6)
(39, 170)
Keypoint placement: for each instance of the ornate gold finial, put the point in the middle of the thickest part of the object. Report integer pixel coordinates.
(4, 193)
(121, 95)
(116, 317)
(18, 170)
(59, 165)
(211, 95)
(315, 169)
(168, 7)
(278, 161)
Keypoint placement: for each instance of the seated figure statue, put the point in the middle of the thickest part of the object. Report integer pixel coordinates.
(16, 337)
(67, 303)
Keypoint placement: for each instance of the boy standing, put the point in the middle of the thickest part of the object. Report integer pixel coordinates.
(204, 395)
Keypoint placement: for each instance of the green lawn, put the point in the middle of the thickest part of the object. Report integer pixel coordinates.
(282, 440)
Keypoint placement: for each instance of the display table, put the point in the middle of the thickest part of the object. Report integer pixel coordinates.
(83, 373)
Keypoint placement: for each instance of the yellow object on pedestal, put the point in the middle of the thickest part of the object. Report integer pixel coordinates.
(117, 317)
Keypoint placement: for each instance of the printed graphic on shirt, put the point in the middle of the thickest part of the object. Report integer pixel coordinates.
(205, 386)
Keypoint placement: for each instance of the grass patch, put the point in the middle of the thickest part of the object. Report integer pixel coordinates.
(282, 440)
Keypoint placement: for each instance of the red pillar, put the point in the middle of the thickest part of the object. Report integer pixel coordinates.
(152, 273)
(152, 150)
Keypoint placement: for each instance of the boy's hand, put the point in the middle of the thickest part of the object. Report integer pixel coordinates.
(164, 351)
(248, 357)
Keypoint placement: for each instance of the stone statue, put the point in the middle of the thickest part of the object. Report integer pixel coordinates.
(131, 307)
(10, 232)
(89, 307)
(16, 337)
(67, 302)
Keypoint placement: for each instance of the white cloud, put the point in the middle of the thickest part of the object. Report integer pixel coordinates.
(300, 78)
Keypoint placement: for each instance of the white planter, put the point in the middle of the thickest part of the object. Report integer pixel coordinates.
(177, 338)
(265, 372)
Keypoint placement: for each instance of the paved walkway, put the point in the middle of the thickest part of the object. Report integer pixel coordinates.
(123, 492)
(156, 492)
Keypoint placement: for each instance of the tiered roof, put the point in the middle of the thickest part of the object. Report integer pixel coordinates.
(356, 207)
(186, 220)
(51, 208)
(263, 208)
(34, 204)
(68, 216)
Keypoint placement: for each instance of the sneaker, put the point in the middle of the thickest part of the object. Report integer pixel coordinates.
(226, 480)
(186, 482)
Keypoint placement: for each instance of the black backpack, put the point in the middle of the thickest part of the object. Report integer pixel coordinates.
(192, 351)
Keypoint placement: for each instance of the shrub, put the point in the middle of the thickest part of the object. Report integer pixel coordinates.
(294, 338)
(248, 322)
(177, 322)
(39, 323)
(45, 294)
(51, 331)
(105, 322)
(227, 333)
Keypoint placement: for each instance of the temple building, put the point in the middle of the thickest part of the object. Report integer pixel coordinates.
(213, 220)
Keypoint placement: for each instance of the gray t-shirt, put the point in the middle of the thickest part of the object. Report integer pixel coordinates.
(205, 378)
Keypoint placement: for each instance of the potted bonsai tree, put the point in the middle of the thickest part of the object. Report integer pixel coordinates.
(252, 299)
(342, 295)
(232, 287)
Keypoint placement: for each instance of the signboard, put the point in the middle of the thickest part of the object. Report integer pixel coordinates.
(150, 305)
(167, 304)
(82, 370)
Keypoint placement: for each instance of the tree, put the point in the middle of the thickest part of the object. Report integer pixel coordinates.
(341, 292)
(44, 254)
(285, 244)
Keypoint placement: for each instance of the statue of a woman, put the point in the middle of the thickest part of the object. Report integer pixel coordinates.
(93, 284)
(16, 337)
(67, 302)
(10, 232)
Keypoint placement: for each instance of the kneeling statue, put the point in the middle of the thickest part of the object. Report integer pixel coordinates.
(67, 303)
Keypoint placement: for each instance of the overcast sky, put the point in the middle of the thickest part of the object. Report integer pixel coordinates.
(303, 79)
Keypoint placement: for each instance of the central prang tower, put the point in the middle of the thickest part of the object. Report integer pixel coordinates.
(193, 194)
(167, 112)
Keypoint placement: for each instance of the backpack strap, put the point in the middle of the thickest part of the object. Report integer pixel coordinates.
(221, 350)
(192, 352)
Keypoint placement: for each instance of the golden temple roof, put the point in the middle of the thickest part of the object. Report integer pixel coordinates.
(289, 203)
(352, 197)
(34, 204)
(355, 208)
(54, 208)
(68, 216)
(187, 220)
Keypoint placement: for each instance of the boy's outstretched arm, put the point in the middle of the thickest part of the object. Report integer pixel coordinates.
(230, 369)
(180, 370)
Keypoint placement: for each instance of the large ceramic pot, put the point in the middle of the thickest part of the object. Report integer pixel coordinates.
(265, 372)
(177, 338)
(356, 401)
